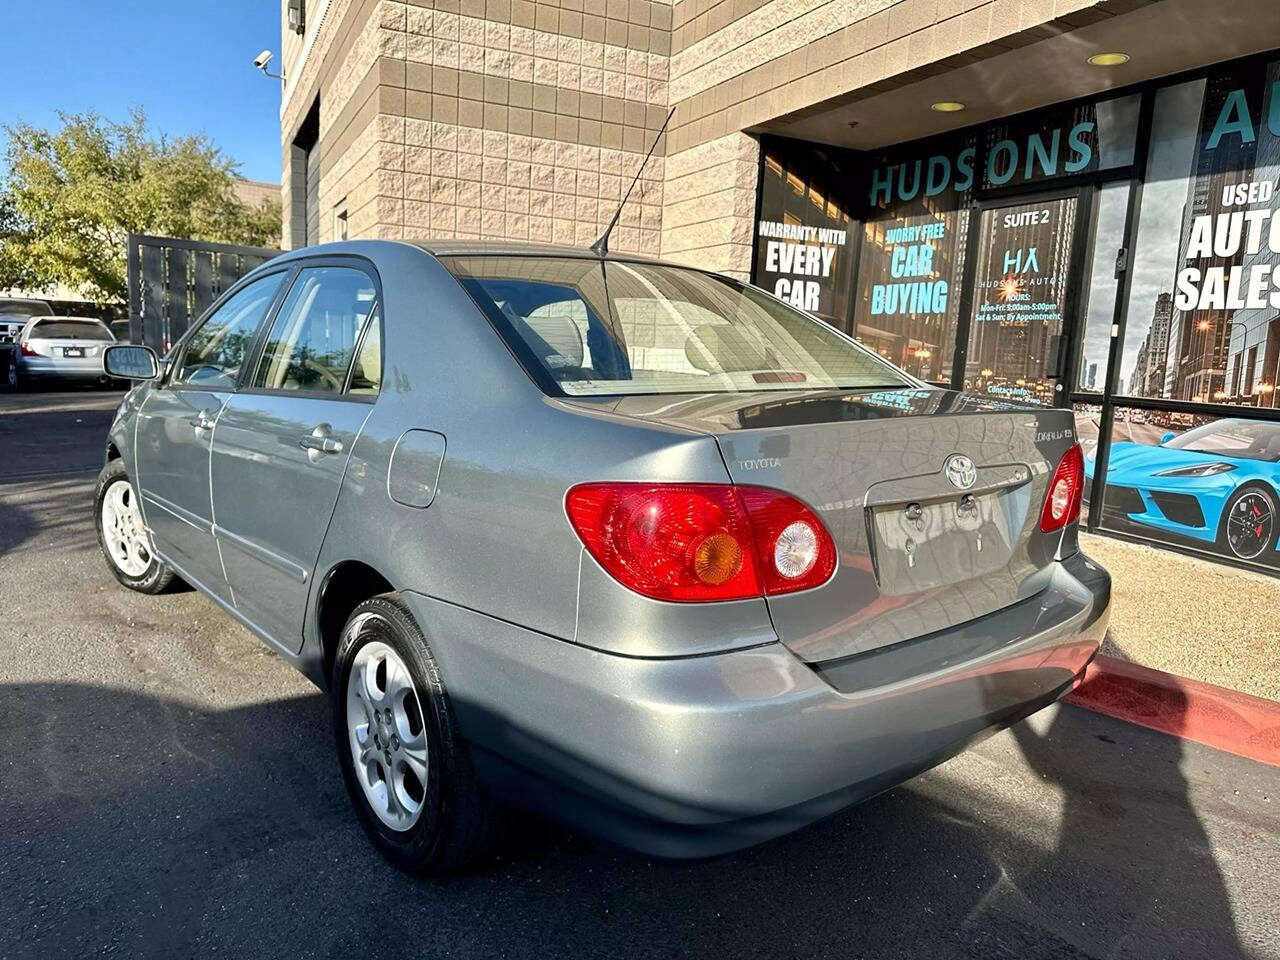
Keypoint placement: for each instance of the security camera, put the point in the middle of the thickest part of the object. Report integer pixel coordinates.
(262, 59)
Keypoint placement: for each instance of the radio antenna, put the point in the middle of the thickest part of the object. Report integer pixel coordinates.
(601, 247)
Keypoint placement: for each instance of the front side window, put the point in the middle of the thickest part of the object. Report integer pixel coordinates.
(217, 350)
(610, 327)
(314, 337)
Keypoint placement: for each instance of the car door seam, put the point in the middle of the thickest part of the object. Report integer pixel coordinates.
(315, 564)
(213, 516)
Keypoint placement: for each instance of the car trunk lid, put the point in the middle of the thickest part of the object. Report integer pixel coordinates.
(917, 552)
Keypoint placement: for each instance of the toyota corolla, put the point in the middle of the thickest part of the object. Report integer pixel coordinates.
(633, 544)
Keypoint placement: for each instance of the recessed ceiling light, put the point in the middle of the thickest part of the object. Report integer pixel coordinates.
(1109, 59)
(947, 106)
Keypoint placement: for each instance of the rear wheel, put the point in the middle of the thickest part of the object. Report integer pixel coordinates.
(406, 766)
(1248, 525)
(13, 379)
(123, 536)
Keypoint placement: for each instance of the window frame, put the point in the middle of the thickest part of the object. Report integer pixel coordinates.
(179, 349)
(244, 385)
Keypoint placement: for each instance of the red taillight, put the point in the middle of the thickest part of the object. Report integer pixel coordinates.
(794, 549)
(702, 541)
(26, 350)
(1062, 503)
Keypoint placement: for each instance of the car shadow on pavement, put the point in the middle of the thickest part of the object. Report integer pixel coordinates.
(142, 825)
(54, 509)
(48, 435)
(17, 526)
(1172, 873)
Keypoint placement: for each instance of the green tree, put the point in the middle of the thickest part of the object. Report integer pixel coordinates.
(69, 197)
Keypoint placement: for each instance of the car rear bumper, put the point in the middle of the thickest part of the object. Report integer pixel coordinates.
(52, 368)
(701, 755)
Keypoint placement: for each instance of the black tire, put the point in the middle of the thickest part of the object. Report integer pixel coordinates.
(1265, 497)
(158, 575)
(13, 379)
(456, 822)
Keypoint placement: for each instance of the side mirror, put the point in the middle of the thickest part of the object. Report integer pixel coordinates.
(1166, 438)
(130, 362)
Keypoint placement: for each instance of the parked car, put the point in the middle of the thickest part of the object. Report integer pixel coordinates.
(14, 314)
(58, 348)
(633, 544)
(1215, 484)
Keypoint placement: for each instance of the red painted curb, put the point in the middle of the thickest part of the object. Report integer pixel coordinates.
(1236, 722)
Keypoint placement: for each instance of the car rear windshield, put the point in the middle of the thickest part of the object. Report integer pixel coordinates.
(69, 330)
(23, 308)
(591, 327)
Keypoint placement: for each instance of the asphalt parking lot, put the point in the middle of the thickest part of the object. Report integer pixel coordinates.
(167, 788)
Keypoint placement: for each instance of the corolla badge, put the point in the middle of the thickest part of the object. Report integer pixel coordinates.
(960, 470)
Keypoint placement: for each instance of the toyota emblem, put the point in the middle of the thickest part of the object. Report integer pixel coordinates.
(960, 471)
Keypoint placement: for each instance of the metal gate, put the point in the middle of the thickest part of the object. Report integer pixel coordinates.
(173, 282)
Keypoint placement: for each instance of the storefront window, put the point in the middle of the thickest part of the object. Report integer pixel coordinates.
(1203, 323)
(1088, 418)
(804, 236)
(1208, 483)
(1061, 143)
(911, 267)
(1022, 282)
(1099, 315)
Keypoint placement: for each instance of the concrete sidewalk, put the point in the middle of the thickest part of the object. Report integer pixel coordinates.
(1192, 617)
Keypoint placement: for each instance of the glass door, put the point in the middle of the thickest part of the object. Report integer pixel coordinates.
(1021, 291)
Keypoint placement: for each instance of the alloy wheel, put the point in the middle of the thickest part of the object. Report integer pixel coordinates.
(1249, 525)
(123, 532)
(386, 733)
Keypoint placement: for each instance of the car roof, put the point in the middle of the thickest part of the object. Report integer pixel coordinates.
(33, 322)
(499, 248)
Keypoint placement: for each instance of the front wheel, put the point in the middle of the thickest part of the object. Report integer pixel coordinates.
(1248, 522)
(406, 766)
(124, 538)
(13, 379)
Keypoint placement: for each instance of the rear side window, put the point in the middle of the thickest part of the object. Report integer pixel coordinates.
(313, 340)
(69, 330)
(218, 349)
(366, 371)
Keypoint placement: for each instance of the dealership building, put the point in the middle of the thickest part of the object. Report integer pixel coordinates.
(1063, 202)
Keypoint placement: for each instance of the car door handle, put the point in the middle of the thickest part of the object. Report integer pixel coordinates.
(203, 421)
(321, 444)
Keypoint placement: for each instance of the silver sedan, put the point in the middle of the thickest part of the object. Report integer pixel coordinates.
(632, 544)
(58, 348)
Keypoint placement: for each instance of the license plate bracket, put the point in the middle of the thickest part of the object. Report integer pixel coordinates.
(921, 546)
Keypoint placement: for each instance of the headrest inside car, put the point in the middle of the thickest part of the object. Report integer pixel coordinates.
(562, 335)
(721, 347)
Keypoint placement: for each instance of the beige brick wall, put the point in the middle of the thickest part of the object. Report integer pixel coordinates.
(524, 119)
(710, 195)
(505, 120)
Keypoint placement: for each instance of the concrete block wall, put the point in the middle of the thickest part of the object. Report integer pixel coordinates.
(503, 119)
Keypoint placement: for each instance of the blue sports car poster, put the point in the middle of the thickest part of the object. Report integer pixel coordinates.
(1214, 486)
